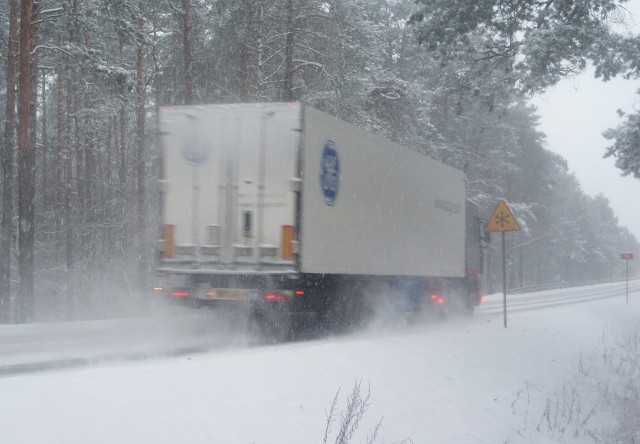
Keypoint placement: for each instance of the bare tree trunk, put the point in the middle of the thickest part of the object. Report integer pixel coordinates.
(36, 9)
(245, 54)
(121, 139)
(288, 56)
(35, 40)
(140, 154)
(156, 62)
(260, 49)
(60, 165)
(157, 165)
(122, 158)
(6, 228)
(174, 67)
(26, 165)
(188, 65)
(45, 145)
(90, 173)
(109, 199)
(68, 200)
(67, 225)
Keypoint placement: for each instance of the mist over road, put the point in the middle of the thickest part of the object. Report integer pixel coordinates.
(174, 330)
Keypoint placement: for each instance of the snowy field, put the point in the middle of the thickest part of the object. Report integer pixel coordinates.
(558, 373)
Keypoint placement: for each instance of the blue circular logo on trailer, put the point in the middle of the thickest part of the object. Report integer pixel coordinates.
(195, 151)
(330, 172)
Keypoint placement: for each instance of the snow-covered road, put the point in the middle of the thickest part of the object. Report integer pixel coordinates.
(169, 331)
(550, 377)
(175, 330)
(561, 296)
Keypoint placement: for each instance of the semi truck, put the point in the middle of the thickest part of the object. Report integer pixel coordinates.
(286, 209)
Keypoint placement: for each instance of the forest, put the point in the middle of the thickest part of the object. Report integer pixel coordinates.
(83, 80)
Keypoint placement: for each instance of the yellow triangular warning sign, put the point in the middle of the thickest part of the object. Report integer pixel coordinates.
(501, 220)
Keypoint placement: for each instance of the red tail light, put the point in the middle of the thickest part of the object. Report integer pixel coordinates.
(179, 294)
(276, 297)
(437, 299)
(299, 293)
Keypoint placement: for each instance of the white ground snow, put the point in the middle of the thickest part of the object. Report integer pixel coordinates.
(460, 381)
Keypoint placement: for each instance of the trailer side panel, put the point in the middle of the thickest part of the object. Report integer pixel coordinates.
(373, 207)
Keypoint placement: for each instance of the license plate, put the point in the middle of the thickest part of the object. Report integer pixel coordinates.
(225, 293)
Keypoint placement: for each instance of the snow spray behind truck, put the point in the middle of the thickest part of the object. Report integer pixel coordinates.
(281, 207)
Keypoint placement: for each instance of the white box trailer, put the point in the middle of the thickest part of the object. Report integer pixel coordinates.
(261, 198)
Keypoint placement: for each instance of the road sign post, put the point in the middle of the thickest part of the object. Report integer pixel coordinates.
(502, 220)
(504, 280)
(627, 257)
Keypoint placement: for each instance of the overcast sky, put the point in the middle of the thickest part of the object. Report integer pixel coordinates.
(574, 115)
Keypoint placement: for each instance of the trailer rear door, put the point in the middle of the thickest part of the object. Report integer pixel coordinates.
(227, 181)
